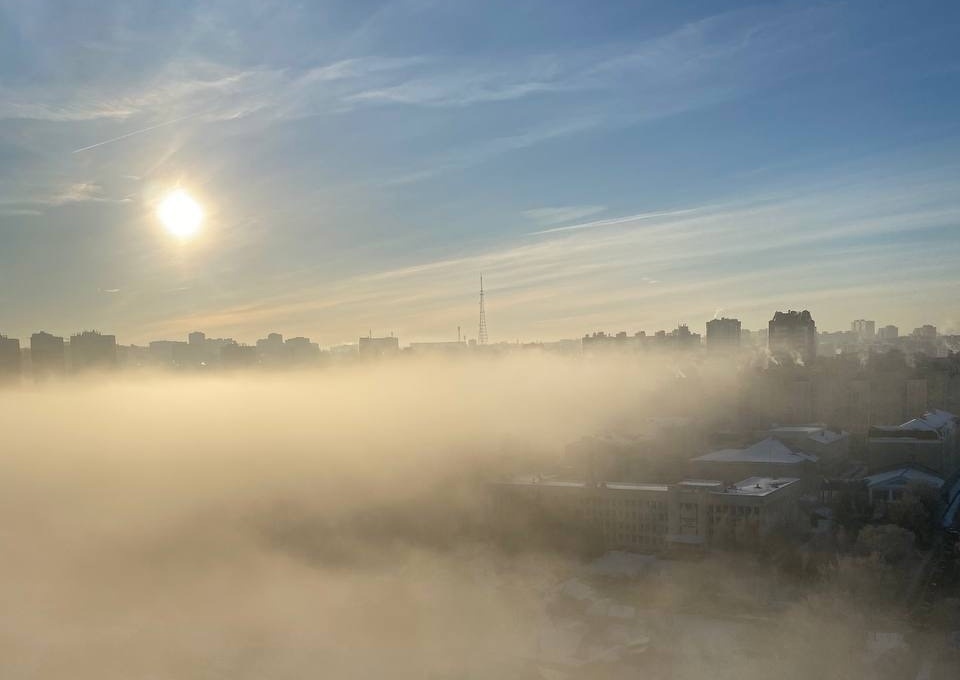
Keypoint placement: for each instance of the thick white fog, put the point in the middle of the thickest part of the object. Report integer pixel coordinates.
(328, 524)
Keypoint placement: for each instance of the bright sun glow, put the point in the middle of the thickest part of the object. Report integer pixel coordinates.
(180, 214)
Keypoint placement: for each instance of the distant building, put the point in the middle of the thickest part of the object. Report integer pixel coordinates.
(680, 338)
(91, 350)
(767, 458)
(449, 348)
(10, 362)
(792, 337)
(723, 335)
(932, 440)
(705, 513)
(197, 338)
(166, 352)
(271, 351)
(47, 355)
(601, 341)
(690, 515)
(301, 350)
(828, 444)
(234, 355)
(370, 347)
(888, 332)
(924, 340)
(891, 484)
(863, 329)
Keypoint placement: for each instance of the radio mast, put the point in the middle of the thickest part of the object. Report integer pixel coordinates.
(482, 334)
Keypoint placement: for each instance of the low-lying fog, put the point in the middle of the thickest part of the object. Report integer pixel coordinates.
(315, 525)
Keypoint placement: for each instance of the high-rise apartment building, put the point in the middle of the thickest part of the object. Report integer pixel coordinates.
(92, 350)
(723, 335)
(47, 355)
(863, 329)
(792, 336)
(9, 359)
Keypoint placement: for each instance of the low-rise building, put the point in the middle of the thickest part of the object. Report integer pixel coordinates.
(891, 484)
(706, 513)
(829, 445)
(930, 440)
(371, 347)
(769, 457)
(692, 514)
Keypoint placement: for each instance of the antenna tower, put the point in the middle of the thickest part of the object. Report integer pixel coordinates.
(482, 334)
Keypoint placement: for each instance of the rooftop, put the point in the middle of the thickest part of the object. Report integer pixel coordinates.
(904, 475)
(629, 486)
(758, 486)
(540, 480)
(702, 483)
(931, 420)
(768, 450)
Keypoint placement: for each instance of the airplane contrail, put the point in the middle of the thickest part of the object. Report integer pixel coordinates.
(135, 132)
(614, 221)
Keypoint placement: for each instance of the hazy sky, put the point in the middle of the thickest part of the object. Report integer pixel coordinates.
(606, 165)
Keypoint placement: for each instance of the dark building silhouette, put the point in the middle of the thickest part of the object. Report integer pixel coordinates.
(197, 338)
(888, 333)
(602, 341)
(792, 337)
(723, 335)
(271, 350)
(47, 355)
(92, 350)
(679, 338)
(302, 351)
(166, 352)
(864, 329)
(371, 347)
(9, 359)
(234, 355)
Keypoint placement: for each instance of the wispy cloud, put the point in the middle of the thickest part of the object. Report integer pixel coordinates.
(476, 153)
(564, 213)
(31, 202)
(614, 221)
(675, 265)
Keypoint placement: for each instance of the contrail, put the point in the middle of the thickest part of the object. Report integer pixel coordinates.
(614, 221)
(135, 132)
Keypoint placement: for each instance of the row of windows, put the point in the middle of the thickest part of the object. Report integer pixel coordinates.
(733, 510)
(622, 502)
(601, 513)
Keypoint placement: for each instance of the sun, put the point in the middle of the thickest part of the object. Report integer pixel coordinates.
(180, 214)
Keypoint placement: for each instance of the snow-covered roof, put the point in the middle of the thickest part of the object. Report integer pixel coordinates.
(918, 424)
(818, 433)
(903, 476)
(629, 486)
(702, 483)
(828, 436)
(758, 486)
(931, 420)
(769, 450)
(540, 480)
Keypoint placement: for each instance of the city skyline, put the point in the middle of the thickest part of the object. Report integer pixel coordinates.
(461, 335)
(357, 171)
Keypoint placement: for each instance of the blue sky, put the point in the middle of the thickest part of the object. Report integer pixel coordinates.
(605, 165)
